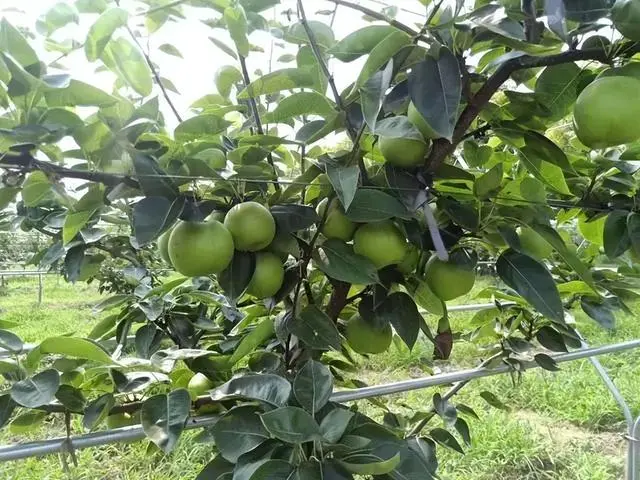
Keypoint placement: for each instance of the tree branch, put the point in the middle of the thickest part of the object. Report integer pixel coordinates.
(25, 162)
(442, 148)
(381, 17)
(256, 115)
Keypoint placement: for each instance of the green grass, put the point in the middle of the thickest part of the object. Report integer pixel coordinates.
(560, 426)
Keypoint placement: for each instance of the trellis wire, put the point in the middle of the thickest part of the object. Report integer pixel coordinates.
(135, 433)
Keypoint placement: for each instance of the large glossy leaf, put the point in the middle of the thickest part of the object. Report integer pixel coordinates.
(195, 128)
(435, 87)
(216, 469)
(7, 406)
(14, 43)
(225, 78)
(400, 310)
(532, 281)
(338, 260)
(313, 386)
(72, 398)
(335, 423)
(101, 31)
(360, 42)
(58, 16)
(380, 461)
(260, 334)
(601, 311)
(292, 218)
(544, 171)
(273, 469)
(276, 81)
(163, 418)
(269, 388)
(381, 54)
(236, 21)
(557, 88)
(372, 94)
(153, 215)
(235, 279)
(299, 104)
(316, 329)
(153, 180)
(371, 205)
(344, 180)
(322, 33)
(10, 341)
(75, 347)
(126, 60)
(291, 425)
(37, 390)
(616, 234)
(239, 431)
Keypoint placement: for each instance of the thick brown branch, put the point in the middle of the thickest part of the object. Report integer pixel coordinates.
(25, 162)
(442, 148)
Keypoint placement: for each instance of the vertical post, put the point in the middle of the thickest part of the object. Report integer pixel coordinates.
(40, 289)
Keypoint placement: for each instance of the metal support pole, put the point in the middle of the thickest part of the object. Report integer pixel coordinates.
(40, 289)
(133, 433)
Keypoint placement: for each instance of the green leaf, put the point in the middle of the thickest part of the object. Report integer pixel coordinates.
(75, 347)
(163, 418)
(547, 150)
(344, 180)
(73, 223)
(616, 235)
(291, 425)
(263, 469)
(444, 438)
(239, 431)
(376, 462)
(154, 215)
(235, 279)
(97, 410)
(313, 386)
(557, 88)
(36, 189)
(428, 300)
(546, 362)
(10, 341)
(291, 218)
(27, 422)
(338, 260)
(372, 94)
(170, 50)
(316, 329)
(601, 311)
(101, 31)
(14, 43)
(125, 59)
(532, 281)
(322, 33)
(225, 78)
(224, 47)
(57, 17)
(36, 391)
(399, 310)
(7, 195)
(550, 338)
(7, 406)
(153, 180)
(237, 25)
(544, 171)
(260, 334)
(435, 88)
(360, 42)
(78, 94)
(269, 388)
(380, 55)
(633, 230)
(71, 397)
(276, 81)
(216, 469)
(487, 184)
(371, 205)
(299, 104)
(199, 127)
(335, 423)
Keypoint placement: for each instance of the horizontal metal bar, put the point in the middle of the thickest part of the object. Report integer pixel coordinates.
(130, 434)
(24, 273)
(470, 374)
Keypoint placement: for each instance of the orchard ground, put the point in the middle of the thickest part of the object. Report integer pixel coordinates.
(562, 426)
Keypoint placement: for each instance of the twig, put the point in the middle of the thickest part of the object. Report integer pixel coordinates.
(25, 162)
(379, 16)
(155, 73)
(256, 115)
(323, 66)
(442, 148)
